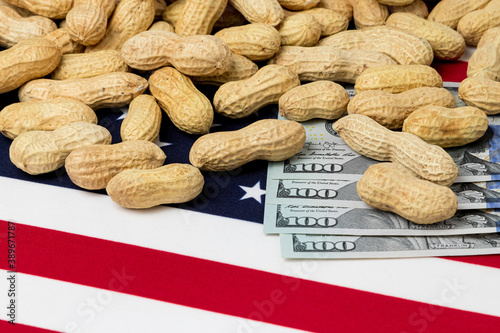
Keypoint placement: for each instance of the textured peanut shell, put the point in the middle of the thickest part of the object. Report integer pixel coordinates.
(298, 4)
(241, 68)
(173, 11)
(49, 8)
(84, 65)
(129, 18)
(405, 48)
(256, 41)
(396, 2)
(482, 93)
(240, 99)
(328, 62)
(330, 21)
(107, 5)
(38, 152)
(27, 60)
(110, 90)
(449, 12)
(199, 55)
(162, 25)
(86, 23)
(143, 120)
(417, 7)
(367, 137)
(260, 11)
(14, 27)
(485, 61)
(446, 43)
(199, 17)
(299, 30)
(390, 110)
(92, 167)
(267, 139)
(447, 127)
(343, 7)
(320, 99)
(172, 183)
(47, 115)
(63, 41)
(368, 13)
(392, 188)
(188, 108)
(474, 24)
(397, 78)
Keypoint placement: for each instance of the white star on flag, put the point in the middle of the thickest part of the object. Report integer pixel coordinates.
(254, 192)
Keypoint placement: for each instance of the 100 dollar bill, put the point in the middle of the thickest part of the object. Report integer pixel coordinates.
(302, 219)
(343, 247)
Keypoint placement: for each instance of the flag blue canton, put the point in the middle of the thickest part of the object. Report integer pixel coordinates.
(232, 194)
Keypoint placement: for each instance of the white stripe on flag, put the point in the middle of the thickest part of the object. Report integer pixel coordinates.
(430, 280)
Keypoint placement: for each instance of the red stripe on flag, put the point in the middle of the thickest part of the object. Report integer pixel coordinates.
(229, 289)
(486, 260)
(19, 328)
(451, 71)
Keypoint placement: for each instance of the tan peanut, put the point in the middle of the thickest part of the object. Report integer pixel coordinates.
(256, 41)
(240, 99)
(392, 188)
(188, 108)
(38, 152)
(405, 48)
(14, 27)
(390, 110)
(49, 8)
(110, 90)
(449, 12)
(482, 93)
(398, 78)
(29, 59)
(162, 25)
(21, 11)
(485, 61)
(320, 99)
(173, 11)
(328, 62)
(47, 115)
(396, 2)
(298, 4)
(447, 127)
(267, 139)
(474, 24)
(92, 167)
(86, 23)
(63, 41)
(367, 137)
(143, 120)
(172, 183)
(260, 11)
(446, 43)
(417, 7)
(199, 17)
(343, 7)
(129, 18)
(299, 30)
(160, 6)
(368, 13)
(84, 65)
(330, 21)
(241, 68)
(199, 55)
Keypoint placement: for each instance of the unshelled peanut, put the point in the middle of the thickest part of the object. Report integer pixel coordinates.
(367, 137)
(417, 7)
(485, 61)
(172, 183)
(474, 24)
(391, 187)
(48, 8)
(298, 4)
(299, 30)
(199, 17)
(92, 167)
(368, 13)
(47, 115)
(241, 68)
(268, 139)
(38, 152)
(449, 12)
(330, 21)
(260, 11)
(143, 120)
(343, 7)
(482, 93)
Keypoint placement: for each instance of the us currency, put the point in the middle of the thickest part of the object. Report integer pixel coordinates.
(344, 247)
(301, 219)
(342, 192)
(327, 156)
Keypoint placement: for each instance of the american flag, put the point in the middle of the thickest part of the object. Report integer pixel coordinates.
(84, 264)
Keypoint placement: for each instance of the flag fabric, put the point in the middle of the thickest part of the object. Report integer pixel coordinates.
(73, 261)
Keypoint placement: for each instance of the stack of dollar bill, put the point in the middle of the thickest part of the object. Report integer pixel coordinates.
(311, 201)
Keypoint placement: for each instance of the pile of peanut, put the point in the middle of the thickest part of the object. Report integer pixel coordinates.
(69, 58)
